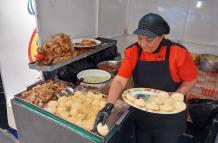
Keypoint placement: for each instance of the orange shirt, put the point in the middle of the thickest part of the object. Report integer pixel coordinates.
(182, 67)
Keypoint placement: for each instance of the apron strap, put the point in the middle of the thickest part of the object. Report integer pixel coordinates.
(139, 53)
(167, 52)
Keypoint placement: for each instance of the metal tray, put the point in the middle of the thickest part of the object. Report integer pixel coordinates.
(52, 67)
(114, 121)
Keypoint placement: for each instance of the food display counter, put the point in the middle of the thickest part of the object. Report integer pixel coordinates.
(36, 126)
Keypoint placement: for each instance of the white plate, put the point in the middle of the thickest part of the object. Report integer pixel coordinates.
(145, 91)
(74, 41)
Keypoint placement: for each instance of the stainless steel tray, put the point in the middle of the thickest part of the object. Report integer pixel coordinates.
(81, 56)
(114, 121)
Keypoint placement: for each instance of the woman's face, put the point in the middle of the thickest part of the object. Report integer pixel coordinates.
(149, 45)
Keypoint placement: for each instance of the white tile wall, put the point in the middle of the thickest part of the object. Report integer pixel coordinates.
(202, 22)
(77, 18)
(173, 11)
(111, 17)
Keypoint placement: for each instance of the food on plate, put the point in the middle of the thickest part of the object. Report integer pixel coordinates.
(42, 93)
(102, 130)
(163, 95)
(169, 101)
(86, 42)
(155, 101)
(130, 98)
(166, 108)
(95, 79)
(179, 106)
(177, 96)
(152, 106)
(140, 102)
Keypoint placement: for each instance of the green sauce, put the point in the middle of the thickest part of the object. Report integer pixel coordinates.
(95, 79)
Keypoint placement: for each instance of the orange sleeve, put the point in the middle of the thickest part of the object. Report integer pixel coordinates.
(186, 67)
(128, 63)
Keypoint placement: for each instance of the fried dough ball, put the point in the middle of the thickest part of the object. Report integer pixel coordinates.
(130, 98)
(169, 101)
(62, 99)
(163, 95)
(76, 105)
(62, 104)
(89, 124)
(102, 104)
(152, 106)
(140, 102)
(179, 106)
(51, 110)
(65, 115)
(73, 111)
(60, 110)
(68, 103)
(91, 94)
(96, 102)
(102, 130)
(78, 93)
(81, 116)
(166, 108)
(177, 96)
(71, 119)
(78, 123)
(52, 104)
(156, 100)
(98, 96)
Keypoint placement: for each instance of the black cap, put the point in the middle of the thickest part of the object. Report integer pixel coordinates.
(152, 25)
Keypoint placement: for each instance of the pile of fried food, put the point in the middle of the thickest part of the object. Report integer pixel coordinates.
(86, 43)
(43, 93)
(80, 108)
(161, 103)
(58, 48)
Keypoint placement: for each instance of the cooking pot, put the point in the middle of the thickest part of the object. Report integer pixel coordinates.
(208, 63)
(94, 78)
(111, 66)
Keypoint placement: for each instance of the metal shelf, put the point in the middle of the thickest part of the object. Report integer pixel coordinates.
(53, 67)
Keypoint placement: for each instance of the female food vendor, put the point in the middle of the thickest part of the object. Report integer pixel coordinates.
(154, 62)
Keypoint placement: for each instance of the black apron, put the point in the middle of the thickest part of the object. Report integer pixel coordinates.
(150, 127)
